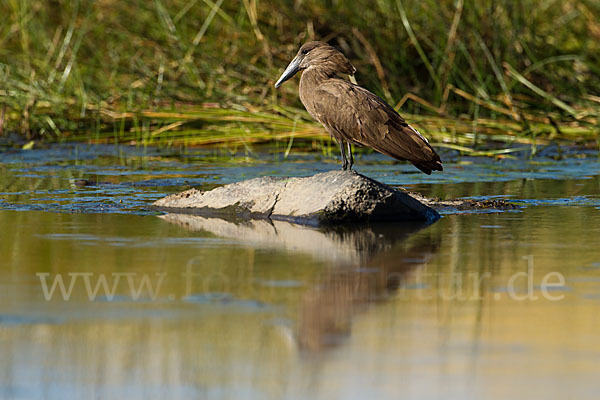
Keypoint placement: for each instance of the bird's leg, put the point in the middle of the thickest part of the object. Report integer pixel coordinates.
(343, 151)
(350, 156)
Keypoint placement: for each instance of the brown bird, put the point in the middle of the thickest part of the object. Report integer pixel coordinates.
(352, 114)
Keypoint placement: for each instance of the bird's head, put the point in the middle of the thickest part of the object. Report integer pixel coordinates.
(318, 55)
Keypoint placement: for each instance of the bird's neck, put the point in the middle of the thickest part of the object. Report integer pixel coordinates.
(311, 78)
(316, 75)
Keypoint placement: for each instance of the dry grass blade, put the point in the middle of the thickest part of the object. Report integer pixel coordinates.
(167, 128)
(376, 63)
(416, 99)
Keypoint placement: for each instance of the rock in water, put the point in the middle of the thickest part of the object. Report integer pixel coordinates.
(328, 198)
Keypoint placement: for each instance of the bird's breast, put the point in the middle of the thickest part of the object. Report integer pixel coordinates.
(311, 101)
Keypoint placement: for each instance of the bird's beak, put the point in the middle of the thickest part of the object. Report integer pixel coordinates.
(290, 71)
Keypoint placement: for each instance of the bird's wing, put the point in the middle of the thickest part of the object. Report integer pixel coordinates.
(356, 115)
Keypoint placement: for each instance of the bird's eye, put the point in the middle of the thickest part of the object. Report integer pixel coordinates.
(304, 52)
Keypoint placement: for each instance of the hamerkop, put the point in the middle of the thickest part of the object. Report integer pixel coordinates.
(352, 114)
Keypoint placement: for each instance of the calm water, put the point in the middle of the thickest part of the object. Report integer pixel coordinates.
(488, 305)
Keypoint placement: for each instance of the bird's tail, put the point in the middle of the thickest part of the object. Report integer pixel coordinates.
(427, 166)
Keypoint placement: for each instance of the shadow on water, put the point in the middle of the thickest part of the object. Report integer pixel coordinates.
(370, 263)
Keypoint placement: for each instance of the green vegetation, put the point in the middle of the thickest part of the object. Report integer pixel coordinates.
(466, 72)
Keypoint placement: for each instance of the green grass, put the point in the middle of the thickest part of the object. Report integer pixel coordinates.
(476, 75)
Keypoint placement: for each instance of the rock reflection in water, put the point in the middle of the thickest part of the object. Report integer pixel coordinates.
(370, 264)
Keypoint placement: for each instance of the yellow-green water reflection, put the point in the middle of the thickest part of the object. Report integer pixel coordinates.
(278, 311)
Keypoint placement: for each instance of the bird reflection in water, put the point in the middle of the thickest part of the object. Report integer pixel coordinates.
(327, 310)
(370, 264)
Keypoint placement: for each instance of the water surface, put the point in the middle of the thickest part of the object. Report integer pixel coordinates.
(205, 308)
